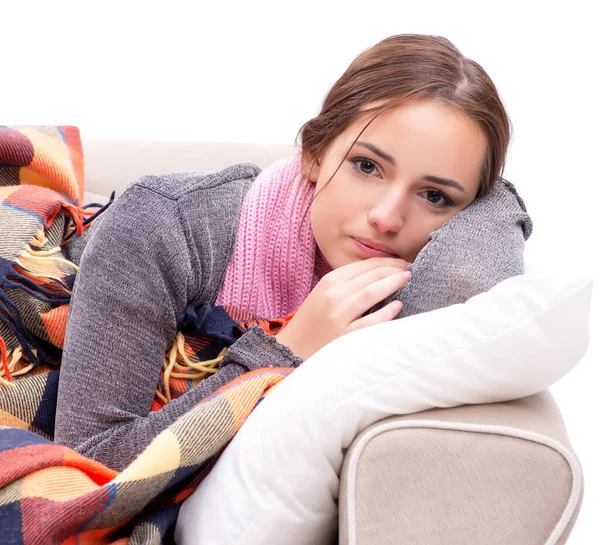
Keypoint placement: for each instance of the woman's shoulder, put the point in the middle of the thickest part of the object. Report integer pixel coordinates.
(171, 202)
(178, 185)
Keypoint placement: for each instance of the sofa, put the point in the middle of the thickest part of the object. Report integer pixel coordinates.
(498, 473)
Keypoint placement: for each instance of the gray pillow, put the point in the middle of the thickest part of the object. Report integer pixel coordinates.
(472, 252)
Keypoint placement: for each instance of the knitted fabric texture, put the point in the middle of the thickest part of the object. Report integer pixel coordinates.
(276, 262)
(472, 252)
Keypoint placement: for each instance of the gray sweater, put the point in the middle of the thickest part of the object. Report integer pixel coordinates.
(164, 243)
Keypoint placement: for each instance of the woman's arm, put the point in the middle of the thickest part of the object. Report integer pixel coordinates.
(136, 276)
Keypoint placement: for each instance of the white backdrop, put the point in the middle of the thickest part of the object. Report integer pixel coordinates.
(255, 71)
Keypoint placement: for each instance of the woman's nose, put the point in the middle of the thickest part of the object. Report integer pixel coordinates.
(388, 213)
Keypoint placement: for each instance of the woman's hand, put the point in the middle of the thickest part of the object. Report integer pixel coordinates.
(335, 306)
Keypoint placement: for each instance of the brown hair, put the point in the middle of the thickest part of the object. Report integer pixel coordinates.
(405, 67)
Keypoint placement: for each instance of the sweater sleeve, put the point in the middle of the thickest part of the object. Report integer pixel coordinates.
(136, 276)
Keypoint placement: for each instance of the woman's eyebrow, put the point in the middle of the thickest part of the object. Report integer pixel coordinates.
(378, 151)
(434, 179)
(445, 181)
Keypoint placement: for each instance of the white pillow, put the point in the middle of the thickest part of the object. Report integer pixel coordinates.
(278, 480)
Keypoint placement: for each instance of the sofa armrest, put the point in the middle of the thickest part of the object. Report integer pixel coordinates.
(497, 473)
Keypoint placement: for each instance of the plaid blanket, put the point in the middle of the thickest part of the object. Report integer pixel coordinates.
(49, 493)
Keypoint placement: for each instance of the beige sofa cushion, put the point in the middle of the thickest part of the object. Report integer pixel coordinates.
(114, 164)
(91, 197)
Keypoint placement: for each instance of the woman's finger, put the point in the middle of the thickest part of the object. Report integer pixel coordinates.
(359, 283)
(385, 314)
(374, 293)
(357, 268)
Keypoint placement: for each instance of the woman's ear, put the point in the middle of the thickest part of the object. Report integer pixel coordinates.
(311, 169)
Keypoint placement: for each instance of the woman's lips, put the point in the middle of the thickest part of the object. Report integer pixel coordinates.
(373, 252)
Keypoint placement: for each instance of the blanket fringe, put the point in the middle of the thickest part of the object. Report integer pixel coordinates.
(191, 370)
(79, 215)
(44, 254)
(36, 263)
(40, 266)
(82, 217)
(11, 316)
(38, 273)
(39, 240)
(9, 369)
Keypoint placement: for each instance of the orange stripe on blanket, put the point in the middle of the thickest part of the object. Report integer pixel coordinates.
(55, 321)
(36, 199)
(95, 537)
(96, 471)
(44, 172)
(25, 460)
(73, 140)
(3, 355)
(21, 460)
(30, 177)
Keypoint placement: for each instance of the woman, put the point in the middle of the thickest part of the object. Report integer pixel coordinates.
(410, 135)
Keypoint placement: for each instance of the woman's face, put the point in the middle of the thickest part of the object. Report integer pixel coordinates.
(411, 170)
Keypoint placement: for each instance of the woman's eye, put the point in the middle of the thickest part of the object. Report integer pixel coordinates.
(437, 198)
(434, 196)
(364, 166)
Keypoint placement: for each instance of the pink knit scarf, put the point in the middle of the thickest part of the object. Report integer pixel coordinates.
(276, 261)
